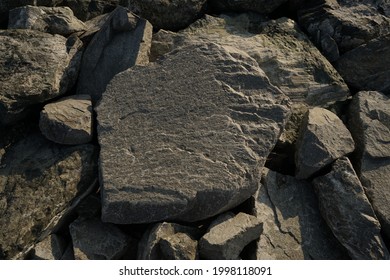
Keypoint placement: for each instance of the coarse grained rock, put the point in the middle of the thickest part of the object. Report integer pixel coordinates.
(53, 20)
(369, 123)
(34, 67)
(281, 49)
(88, 9)
(42, 179)
(186, 144)
(226, 240)
(179, 246)
(323, 138)
(259, 6)
(50, 248)
(168, 14)
(348, 212)
(367, 66)
(68, 121)
(293, 228)
(94, 240)
(122, 42)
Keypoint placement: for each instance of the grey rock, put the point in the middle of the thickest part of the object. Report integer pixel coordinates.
(34, 67)
(53, 20)
(42, 179)
(226, 240)
(68, 254)
(369, 122)
(68, 121)
(189, 143)
(322, 139)
(168, 14)
(348, 212)
(179, 246)
(122, 42)
(367, 66)
(94, 240)
(88, 9)
(293, 228)
(259, 6)
(50, 248)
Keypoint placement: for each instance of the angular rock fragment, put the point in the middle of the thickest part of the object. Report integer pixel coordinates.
(189, 144)
(122, 42)
(226, 240)
(50, 248)
(68, 121)
(88, 9)
(293, 228)
(179, 246)
(259, 6)
(322, 139)
(348, 212)
(34, 67)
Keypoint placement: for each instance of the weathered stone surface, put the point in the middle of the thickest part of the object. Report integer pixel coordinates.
(277, 46)
(179, 246)
(322, 139)
(50, 248)
(168, 14)
(88, 9)
(68, 121)
(369, 122)
(121, 43)
(34, 67)
(149, 245)
(42, 179)
(348, 212)
(53, 20)
(186, 144)
(367, 66)
(227, 239)
(94, 240)
(293, 228)
(259, 6)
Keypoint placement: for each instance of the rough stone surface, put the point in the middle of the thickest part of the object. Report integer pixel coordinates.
(50, 248)
(367, 66)
(259, 6)
(189, 144)
(179, 246)
(123, 41)
(348, 212)
(34, 67)
(168, 14)
(322, 139)
(226, 240)
(42, 179)
(293, 228)
(94, 240)
(53, 20)
(68, 121)
(369, 123)
(88, 9)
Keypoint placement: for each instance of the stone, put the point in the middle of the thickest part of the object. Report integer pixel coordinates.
(348, 212)
(293, 228)
(122, 42)
(186, 145)
(322, 139)
(34, 67)
(259, 6)
(277, 46)
(367, 66)
(94, 240)
(226, 239)
(369, 122)
(88, 9)
(179, 246)
(68, 121)
(53, 20)
(50, 248)
(42, 179)
(168, 14)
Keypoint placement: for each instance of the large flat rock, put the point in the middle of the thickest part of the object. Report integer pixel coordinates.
(189, 141)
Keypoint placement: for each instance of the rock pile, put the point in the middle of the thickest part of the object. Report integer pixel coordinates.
(197, 129)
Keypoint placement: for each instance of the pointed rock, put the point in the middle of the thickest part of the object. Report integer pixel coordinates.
(179, 246)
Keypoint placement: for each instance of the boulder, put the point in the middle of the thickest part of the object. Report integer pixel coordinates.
(53, 20)
(188, 142)
(293, 228)
(258, 6)
(34, 67)
(68, 121)
(369, 122)
(42, 179)
(348, 212)
(50, 248)
(322, 139)
(226, 239)
(168, 14)
(122, 42)
(88, 9)
(179, 246)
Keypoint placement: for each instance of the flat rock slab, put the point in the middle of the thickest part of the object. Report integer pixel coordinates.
(348, 212)
(189, 141)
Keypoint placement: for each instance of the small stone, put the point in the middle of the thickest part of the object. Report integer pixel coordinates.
(179, 246)
(50, 248)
